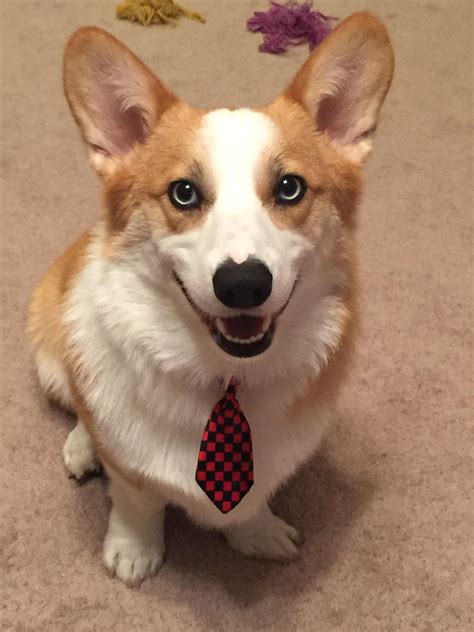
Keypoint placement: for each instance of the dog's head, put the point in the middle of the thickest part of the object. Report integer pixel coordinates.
(245, 213)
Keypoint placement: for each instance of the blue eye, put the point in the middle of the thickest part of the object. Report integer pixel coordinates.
(184, 195)
(290, 189)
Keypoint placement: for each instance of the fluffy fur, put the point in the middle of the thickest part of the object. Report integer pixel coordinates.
(116, 339)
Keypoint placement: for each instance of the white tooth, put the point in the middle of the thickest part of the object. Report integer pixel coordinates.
(242, 341)
(245, 341)
(257, 337)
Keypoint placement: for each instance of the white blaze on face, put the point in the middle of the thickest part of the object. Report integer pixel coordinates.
(237, 145)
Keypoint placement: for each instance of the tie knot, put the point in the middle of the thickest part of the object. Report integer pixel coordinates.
(232, 388)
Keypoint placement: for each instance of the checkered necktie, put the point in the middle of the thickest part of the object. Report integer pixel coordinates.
(225, 464)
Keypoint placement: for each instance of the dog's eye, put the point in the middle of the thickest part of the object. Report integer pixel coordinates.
(184, 194)
(290, 189)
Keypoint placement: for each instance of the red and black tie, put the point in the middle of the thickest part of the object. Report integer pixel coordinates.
(225, 464)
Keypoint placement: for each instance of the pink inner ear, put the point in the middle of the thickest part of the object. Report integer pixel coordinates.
(116, 98)
(331, 117)
(339, 113)
(122, 128)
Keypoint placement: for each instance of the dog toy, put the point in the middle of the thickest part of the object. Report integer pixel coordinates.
(290, 24)
(155, 12)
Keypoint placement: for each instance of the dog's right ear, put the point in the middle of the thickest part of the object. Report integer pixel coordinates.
(115, 99)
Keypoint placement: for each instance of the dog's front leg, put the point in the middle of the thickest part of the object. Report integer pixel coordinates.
(264, 535)
(134, 546)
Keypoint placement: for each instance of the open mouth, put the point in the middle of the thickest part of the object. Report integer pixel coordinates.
(241, 336)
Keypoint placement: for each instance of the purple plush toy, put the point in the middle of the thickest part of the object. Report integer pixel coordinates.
(289, 24)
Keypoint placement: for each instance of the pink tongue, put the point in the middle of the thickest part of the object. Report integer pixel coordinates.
(243, 327)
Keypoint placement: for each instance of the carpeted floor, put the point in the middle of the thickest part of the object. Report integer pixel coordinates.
(385, 506)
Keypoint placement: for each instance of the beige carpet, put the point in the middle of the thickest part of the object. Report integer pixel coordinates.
(385, 507)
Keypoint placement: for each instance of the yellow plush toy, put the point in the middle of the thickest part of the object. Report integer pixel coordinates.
(154, 12)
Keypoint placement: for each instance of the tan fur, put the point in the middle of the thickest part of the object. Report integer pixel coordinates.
(172, 153)
(303, 151)
(324, 387)
(45, 320)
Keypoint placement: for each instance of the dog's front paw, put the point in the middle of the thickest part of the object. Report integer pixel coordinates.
(79, 454)
(265, 536)
(130, 560)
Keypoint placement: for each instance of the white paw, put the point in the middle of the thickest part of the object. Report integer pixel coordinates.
(131, 560)
(268, 537)
(79, 454)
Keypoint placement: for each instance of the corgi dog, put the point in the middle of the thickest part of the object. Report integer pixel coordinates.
(224, 254)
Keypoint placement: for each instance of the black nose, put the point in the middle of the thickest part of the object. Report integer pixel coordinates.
(242, 285)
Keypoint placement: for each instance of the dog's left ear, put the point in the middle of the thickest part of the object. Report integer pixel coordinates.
(344, 82)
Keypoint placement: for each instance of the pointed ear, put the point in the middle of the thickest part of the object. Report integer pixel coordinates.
(115, 99)
(344, 82)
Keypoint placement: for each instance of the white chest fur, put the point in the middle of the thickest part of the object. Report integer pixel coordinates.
(158, 433)
(150, 407)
